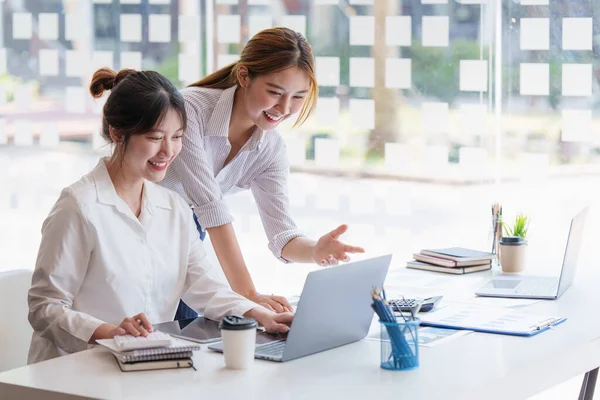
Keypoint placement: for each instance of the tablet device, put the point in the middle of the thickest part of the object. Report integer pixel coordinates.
(200, 330)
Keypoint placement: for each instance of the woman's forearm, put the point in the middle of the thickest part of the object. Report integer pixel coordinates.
(230, 256)
(299, 250)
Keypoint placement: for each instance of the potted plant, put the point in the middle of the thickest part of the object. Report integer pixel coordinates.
(513, 244)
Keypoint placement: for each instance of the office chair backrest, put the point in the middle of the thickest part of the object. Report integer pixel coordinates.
(15, 331)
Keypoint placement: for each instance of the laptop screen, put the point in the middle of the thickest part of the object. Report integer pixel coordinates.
(567, 273)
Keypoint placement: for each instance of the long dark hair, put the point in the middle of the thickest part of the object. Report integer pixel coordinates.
(138, 102)
(271, 50)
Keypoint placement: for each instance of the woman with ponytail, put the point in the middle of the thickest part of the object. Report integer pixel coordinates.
(231, 144)
(118, 251)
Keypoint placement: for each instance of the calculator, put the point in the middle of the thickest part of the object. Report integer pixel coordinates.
(411, 304)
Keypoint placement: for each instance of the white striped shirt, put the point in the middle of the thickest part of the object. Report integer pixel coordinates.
(261, 165)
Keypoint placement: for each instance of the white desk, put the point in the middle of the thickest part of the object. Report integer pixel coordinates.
(475, 366)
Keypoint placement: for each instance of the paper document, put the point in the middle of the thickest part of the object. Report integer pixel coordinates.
(428, 336)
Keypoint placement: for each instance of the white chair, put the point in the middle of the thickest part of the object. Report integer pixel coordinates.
(15, 331)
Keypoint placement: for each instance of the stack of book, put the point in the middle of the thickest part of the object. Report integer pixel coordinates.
(453, 260)
(176, 355)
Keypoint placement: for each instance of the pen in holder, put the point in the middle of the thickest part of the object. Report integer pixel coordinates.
(399, 337)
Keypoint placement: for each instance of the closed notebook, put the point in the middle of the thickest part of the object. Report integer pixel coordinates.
(443, 262)
(153, 365)
(459, 254)
(178, 349)
(448, 270)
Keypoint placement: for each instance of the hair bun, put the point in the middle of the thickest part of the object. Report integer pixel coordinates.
(106, 79)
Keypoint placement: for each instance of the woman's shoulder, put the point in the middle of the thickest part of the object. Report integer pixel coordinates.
(200, 97)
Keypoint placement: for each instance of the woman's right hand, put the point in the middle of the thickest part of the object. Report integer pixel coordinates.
(278, 304)
(138, 325)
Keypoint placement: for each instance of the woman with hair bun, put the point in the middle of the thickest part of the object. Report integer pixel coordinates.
(118, 251)
(232, 143)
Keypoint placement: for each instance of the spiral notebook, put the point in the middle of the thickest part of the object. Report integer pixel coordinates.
(178, 349)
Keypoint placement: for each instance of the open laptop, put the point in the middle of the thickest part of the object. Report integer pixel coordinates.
(334, 310)
(551, 288)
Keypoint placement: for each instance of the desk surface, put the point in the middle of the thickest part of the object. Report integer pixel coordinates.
(474, 366)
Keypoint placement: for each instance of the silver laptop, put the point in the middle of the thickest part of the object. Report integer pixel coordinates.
(334, 310)
(531, 287)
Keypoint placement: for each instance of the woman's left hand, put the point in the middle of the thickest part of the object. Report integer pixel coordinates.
(330, 251)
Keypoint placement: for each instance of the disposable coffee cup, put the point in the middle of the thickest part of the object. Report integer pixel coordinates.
(239, 338)
(512, 254)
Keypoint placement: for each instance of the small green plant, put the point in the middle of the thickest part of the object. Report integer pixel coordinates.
(519, 228)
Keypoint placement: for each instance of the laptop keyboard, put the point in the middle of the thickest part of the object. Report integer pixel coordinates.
(541, 286)
(271, 349)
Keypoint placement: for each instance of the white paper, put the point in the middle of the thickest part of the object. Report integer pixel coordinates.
(397, 157)
(296, 151)
(74, 63)
(534, 79)
(327, 153)
(228, 28)
(434, 117)
(226, 59)
(131, 1)
(23, 133)
(398, 30)
(331, 2)
(577, 34)
(576, 125)
(189, 28)
(472, 157)
(362, 72)
(3, 96)
(229, 2)
(103, 59)
(259, 2)
(49, 136)
(75, 99)
(398, 73)
(435, 31)
(48, 61)
(328, 71)
(48, 26)
(534, 2)
(189, 67)
(22, 25)
(362, 30)
(473, 75)
(428, 336)
(131, 27)
(535, 33)
(473, 119)
(73, 26)
(159, 28)
(257, 23)
(577, 80)
(2, 61)
(159, 1)
(23, 96)
(131, 59)
(362, 112)
(296, 23)
(328, 110)
(3, 134)
(436, 157)
(102, 1)
(434, 1)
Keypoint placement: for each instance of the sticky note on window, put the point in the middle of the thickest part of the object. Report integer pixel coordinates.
(49, 136)
(23, 133)
(577, 34)
(189, 28)
(296, 23)
(472, 157)
(434, 1)
(362, 72)
(296, 150)
(189, 67)
(229, 2)
(159, 1)
(535, 33)
(3, 134)
(75, 99)
(3, 96)
(74, 63)
(398, 73)
(102, 1)
(327, 152)
(362, 113)
(362, 30)
(131, 59)
(22, 25)
(361, 2)
(576, 125)
(48, 61)
(103, 59)
(23, 96)
(131, 27)
(534, 79)
(48, 26)
(329, 2)
(73, 27)
(434, 117)
(534, 2)
(131, 1)
(577, 79)
(328, 110)
(3, 61)
(257, 23)
(328, 71)
(259, 2)
(473, 119)
(159, 30)
(435, 31)
(473, 75)
(397, 157)
(226, 59)
(398, 30)
(228, 28)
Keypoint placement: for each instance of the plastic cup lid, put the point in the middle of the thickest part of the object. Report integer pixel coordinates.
(512, 240)
(237, 323)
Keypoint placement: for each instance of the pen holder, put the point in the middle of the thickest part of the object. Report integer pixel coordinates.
(400, 345)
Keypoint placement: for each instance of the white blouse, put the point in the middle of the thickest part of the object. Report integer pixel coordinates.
(98, 263)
